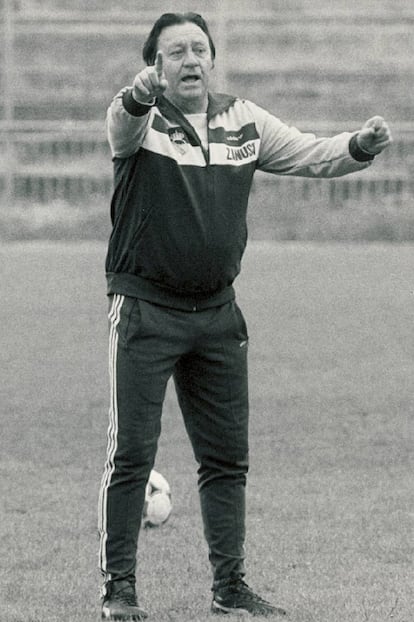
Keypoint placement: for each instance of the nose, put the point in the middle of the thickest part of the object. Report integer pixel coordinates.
(190, 58)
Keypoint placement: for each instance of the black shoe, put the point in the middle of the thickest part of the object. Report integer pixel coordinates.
(120, 602)
(235, 596)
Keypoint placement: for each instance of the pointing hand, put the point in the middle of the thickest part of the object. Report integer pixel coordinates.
(150, 82)
(374, 136)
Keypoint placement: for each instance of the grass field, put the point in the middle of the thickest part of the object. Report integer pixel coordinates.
(330, 522)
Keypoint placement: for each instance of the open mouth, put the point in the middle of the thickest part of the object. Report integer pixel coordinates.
(191, 79)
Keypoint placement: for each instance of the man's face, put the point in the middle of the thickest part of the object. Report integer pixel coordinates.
(187, 64)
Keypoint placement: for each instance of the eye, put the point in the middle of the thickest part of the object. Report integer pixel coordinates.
(200, 50)
(176, 54)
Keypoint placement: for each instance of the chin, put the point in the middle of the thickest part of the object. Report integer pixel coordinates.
(190, 100)
(193, 91)
(194, 98)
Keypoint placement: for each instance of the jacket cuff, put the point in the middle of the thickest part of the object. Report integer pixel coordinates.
(357, 153)
(133, 107)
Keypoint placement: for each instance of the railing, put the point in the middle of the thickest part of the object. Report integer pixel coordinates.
(48, 161)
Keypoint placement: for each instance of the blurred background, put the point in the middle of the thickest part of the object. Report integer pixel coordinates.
(322, 65)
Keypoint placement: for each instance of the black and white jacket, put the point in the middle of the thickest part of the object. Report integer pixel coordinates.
(179, 210)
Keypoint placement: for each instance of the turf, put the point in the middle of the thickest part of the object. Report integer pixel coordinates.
(330, 490)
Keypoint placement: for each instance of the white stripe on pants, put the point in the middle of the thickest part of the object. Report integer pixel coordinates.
(114, 318)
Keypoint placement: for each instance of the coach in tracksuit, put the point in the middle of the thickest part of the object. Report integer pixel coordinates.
(184, 160)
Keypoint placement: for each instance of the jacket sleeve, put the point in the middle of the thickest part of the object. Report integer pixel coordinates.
(127, 122)
(284, 150)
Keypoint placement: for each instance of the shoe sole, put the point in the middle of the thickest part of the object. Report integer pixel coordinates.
(108, 617)
(133, 618)
(221, 610)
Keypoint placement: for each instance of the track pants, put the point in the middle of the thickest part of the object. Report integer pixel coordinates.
(206, 353)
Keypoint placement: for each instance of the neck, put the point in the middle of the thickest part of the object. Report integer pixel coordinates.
(191, 106)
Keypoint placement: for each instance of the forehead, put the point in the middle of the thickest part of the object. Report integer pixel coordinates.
(181, 33)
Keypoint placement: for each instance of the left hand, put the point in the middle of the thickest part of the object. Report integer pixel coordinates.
(374, 136)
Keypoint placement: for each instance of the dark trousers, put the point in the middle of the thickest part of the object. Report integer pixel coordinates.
(206, 352)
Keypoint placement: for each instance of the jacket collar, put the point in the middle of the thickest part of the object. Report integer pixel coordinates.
(217, 103)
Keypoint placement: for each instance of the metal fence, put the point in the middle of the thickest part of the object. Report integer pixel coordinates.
(45, 162)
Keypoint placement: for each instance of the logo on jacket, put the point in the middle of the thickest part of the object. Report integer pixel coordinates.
(241, 153)
(178, 139)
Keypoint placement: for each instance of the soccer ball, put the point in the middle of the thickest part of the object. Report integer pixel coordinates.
(157, 506)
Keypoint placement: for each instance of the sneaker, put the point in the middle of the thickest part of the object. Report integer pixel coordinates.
(120, 602)
(235, 596)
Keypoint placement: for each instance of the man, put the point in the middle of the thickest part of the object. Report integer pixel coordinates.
(184, 160)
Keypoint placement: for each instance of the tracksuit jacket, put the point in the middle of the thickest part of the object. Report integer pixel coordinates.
(179, 211)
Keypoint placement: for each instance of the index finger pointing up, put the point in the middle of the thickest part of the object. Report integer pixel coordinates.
(159, 64)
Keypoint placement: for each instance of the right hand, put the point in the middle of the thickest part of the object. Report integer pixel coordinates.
(150, 82)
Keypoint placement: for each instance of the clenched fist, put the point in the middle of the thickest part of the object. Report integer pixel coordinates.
(374, 136)
(150, 82)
